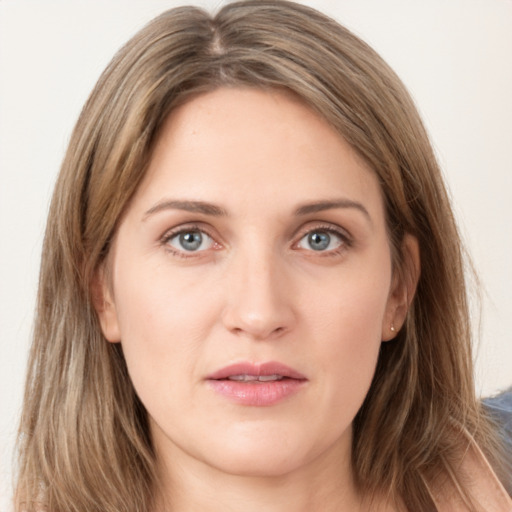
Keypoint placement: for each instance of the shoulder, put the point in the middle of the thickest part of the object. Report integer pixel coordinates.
(486, 489)
(485, 486)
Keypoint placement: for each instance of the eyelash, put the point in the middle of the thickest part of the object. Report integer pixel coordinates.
(188, 228)
(346, 240)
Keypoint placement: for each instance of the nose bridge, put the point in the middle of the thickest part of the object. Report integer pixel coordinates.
(258, 304)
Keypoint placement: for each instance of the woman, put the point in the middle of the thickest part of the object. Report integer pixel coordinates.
(252, 289)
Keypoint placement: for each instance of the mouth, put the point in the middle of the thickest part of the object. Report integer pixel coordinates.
(251, 372)
(260, 384)
(255, 378)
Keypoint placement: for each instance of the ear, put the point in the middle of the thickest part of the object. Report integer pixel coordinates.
(403, 288)
(103, 302)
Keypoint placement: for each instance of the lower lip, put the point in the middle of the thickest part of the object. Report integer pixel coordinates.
(257, 393)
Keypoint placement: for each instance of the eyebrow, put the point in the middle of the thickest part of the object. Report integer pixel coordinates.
(321, 206)
(217, 211)
(187, 206)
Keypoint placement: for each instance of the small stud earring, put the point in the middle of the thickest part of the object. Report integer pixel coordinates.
(392, 328)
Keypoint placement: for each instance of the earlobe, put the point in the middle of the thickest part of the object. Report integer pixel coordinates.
(403, 288)
(103, 302)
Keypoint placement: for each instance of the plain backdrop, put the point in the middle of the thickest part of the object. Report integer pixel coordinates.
(455, 56)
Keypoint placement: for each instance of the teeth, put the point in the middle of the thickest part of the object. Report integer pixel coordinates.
(252, 378)
(243, 378)
(267, 378)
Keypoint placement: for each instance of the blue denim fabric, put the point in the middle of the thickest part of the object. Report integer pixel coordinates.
(500, 408)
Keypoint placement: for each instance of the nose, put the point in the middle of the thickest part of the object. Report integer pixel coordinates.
(259, 301)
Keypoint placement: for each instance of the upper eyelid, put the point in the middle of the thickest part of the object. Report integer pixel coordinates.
(183, 228)
(323, 226)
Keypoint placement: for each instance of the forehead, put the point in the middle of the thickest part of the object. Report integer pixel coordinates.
(246, 143)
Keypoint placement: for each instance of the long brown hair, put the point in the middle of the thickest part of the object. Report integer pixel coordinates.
(84, 441)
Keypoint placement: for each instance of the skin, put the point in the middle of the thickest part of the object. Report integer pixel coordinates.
(255, 290)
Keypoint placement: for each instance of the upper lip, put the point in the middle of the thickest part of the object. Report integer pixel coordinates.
(256, 369)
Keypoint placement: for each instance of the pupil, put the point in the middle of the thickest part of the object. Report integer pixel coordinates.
(319, 241)
(191, 241)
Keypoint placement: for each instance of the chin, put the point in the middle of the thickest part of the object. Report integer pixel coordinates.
(259, 463)
(271, 453)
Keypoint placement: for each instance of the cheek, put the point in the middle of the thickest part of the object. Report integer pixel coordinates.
(352, 306)
(348, 328)
(163, 322)
(159, 302)
(350, 343)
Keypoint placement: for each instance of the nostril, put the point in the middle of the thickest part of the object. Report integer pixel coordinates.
(258, 333)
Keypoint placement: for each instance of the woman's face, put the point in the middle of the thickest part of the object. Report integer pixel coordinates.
(251, 285)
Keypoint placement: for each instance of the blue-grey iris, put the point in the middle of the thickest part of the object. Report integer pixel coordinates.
(191, 241)
(319, 240)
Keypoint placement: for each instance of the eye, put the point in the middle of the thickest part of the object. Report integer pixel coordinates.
(190, 240)
(321, 240)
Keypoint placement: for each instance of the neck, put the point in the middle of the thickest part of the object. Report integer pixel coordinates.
(324, 484)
